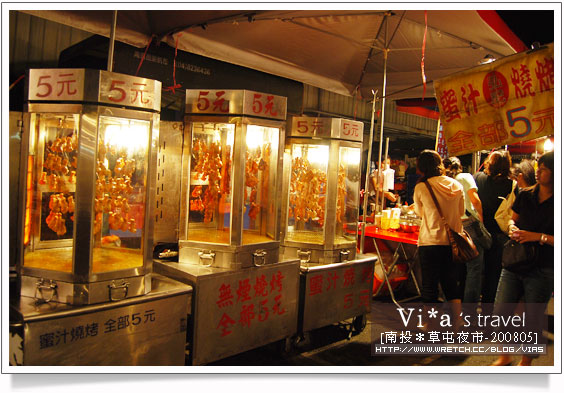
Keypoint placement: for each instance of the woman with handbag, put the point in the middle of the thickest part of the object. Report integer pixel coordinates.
(532, 225)
(472, 223)
(492, 184)
(434, 247)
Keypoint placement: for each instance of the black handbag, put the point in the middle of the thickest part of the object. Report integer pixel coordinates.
(483, 236)
(463, 248)
(518, 257)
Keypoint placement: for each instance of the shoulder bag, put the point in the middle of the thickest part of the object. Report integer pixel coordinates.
(463, 248)
(504, 213)
(518, 257)
(482, 235)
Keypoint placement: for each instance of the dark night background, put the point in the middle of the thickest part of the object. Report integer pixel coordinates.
(530, 25)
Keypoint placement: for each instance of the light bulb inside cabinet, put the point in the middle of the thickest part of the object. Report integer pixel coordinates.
(351, 156)
(126, 135)
(255, 137)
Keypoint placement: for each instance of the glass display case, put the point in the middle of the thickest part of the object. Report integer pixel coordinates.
(89, 161)
(229, 209)
(321, 189)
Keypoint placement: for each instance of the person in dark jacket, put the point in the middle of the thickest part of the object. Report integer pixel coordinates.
(492, 184)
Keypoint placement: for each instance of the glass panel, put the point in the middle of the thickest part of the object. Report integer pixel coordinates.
(209, 218)
(50, 190)
(308, 191)
(119, 203)
(261, 157)
(348, 195)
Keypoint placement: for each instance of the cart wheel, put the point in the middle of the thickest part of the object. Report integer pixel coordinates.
(359, 323)
(286, 346)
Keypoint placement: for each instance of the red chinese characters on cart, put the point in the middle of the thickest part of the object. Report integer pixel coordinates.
(250, 301)
(351, 281)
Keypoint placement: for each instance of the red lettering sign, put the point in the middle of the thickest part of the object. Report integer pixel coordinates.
(543, 116)
(261, 286)
(276, 309)
(276, 282)
(224, 323)
(367, 274)
(545, 74)
(332, 279)
(348, 277)
(315, 284)
(462, 140)
(247, 315)
(269, 107)
(302, 126)
(469, 99)
(449, 103)
(522, 82)
(139, 93)
(243, 290)
(349, 302)
(351, 129)
(121, 93)
(496, 89)
(492, 134)
(219, 105)
(225, 296)
(364, 298)
(257, 103)
(263, 311)
(67, 83)
(203, 102)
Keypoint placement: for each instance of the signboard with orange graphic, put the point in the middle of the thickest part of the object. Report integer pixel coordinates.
(508, 101)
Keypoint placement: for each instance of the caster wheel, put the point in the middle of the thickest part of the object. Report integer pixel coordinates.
(359, 323)
(286, 346)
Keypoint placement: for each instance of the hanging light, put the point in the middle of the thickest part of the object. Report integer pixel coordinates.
(548, 145)
(487, 59)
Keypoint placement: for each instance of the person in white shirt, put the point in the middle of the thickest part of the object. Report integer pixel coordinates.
(472, 213)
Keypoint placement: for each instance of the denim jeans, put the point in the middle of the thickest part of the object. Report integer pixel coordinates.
(474, 271)
(492, 269)
(535, 288)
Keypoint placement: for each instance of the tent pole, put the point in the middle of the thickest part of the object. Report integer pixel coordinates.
(112, 41)
(367, 177)
(437, 136)
(381, 173)
(382, 129)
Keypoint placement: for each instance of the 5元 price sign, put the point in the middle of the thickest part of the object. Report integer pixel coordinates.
(324, 127)
(351, 130)
(310, 126)
(236, 102)
(103, 87)
(56, 84)
(509, 101)
(119, 89)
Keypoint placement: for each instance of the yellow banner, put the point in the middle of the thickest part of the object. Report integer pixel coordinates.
(508, 101)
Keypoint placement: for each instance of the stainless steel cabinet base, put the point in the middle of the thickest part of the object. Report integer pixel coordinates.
(147, 330)
(234, 311)
(335, 292)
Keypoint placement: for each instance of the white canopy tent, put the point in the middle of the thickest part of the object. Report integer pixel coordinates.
(337, 50)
